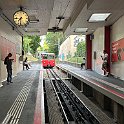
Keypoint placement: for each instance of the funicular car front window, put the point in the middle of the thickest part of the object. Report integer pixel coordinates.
(45, 56)
(51, 56)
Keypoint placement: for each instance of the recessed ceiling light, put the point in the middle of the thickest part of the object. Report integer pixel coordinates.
(80, 30)
(34, 21)
(98, 17)
(31, 30)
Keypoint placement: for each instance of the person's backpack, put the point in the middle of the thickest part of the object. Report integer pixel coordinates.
(5, 62)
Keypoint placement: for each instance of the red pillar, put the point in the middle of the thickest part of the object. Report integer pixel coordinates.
(88, 52)
(107, 44)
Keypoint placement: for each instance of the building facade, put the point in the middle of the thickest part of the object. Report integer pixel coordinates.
(69, 46)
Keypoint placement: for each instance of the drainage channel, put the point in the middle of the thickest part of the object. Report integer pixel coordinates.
(15, 111)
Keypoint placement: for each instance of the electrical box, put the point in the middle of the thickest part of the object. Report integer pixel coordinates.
(94, 54)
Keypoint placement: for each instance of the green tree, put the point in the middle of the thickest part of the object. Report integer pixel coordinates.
(26, 46)
(54, 40)
(68, 55)
(81, 49)
(34, 44)
(45, 47)
(31, 43)
(40, 48)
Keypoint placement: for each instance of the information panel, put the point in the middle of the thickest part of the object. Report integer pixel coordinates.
(118, 50)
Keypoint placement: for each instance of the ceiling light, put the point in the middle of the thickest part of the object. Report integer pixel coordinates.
(98, 17)
(34, 21)
(80, 30)
(31, 30)
(60, 17)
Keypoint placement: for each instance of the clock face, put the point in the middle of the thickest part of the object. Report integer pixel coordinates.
(21, 18)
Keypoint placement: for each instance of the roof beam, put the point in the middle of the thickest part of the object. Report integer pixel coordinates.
(77, 9)
(89, 2)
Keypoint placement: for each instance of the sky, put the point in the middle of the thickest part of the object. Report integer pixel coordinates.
(42, 40)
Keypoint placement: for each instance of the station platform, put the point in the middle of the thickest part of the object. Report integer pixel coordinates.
(22, 101)
(109, 86)
(19, 102)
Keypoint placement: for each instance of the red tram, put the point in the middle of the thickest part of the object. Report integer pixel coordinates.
(48, 60)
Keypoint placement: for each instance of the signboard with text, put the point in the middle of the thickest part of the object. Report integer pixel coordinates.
(118, 50)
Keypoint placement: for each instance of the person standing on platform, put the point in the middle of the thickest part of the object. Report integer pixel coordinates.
(83, 63)
(105, 63)
(8, 63)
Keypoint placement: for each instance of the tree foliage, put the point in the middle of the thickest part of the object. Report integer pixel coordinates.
(81, 49)
(26, 46)
(34, 44)
(54, 40)
(45, 47)
(31, 43)
(51, 44)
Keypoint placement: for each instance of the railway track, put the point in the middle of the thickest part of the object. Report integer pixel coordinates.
(72, 110)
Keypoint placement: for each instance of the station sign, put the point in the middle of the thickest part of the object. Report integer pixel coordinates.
(118, 50)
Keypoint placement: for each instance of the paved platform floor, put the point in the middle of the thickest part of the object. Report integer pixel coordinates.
(18, 100)
(112, 87)
(109, 79)
(11, 93)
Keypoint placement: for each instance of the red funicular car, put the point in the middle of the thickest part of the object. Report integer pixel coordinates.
(48, 60)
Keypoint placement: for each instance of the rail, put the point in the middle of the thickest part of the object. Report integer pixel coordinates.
(61, 106)
(71, 103)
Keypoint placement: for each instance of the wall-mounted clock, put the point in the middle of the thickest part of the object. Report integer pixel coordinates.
(21, 18)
